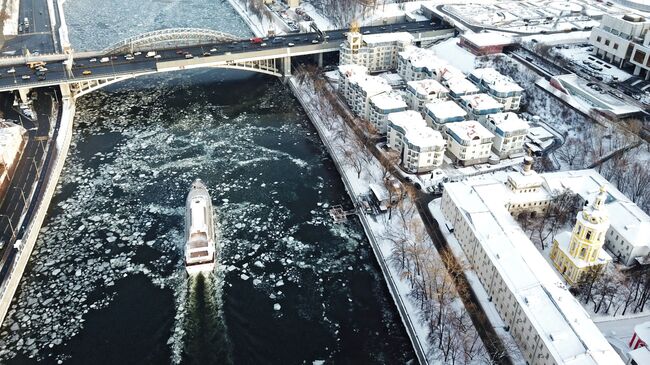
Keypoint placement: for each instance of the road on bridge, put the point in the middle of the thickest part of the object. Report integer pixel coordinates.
(21, 76)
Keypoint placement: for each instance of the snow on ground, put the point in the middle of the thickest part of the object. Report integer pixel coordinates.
(488, 306)
(321, 21)
(457, 56)
(583, 57)
(379, 225)
(10, 21)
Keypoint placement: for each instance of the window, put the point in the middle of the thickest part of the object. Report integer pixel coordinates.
(638, 56)
(598, 39)
(615, 45)
(588, 235)
(607, 42)
(582, 252)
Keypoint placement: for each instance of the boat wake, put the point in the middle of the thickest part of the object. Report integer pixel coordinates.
(205, 339)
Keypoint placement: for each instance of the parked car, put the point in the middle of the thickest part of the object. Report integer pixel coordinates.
(93, 60)
(290, 44)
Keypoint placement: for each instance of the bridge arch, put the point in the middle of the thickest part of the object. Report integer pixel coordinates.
(169, 38)
(81, 88)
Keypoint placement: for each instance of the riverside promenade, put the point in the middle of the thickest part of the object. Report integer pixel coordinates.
(415, 329)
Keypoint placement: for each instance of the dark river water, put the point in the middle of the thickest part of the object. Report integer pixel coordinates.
(106, 284)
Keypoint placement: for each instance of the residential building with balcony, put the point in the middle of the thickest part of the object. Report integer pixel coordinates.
(479, 106)
(415, 63)
(421, 148)
(381, 106)
(509, 133)
(377, 52)
(440, 113)
(361, 89)
(502, 88)
(468, 142)
(421, 92)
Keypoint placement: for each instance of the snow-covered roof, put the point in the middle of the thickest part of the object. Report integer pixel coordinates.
(640, 355)
(371, 85)
(427, 87)
(561, 322)
(630, 222)
(481, 102)
(626, 218)
(444, 110)
(508, 122)
(392, 78)
(494, 80)
(375, 39)
(487, 39)
(459, 85)
(422, 58)
(415, 130)
(642, 331)
(469, 130)
(388, 100)
(352, 69)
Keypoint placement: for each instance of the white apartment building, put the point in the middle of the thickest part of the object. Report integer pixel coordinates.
(458, 85)
(641, 57)
(421, 148)
(416, 63)
(442, 112)
(346, 72)
(468, 142)
(361, 89)
(545, 320)
(381, 106)
(479, 106)
(615, 38)
(498, 86)
(628, 237)
(421, 92)
(377, 52)
(509, 133)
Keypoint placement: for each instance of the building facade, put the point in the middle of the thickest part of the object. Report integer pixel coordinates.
(377, 52)
(502, 88)
(421, 92)
(468, 142)
(479, 106)
(439, 114)
(641, 57)
(509, 133)
(576, 253)
(547, 323)
(421, 148)
(383, 105)
(615, 38)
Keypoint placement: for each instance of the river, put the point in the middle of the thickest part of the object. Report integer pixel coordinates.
(106, 284)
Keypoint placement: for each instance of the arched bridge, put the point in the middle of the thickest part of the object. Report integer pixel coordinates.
(169, 39)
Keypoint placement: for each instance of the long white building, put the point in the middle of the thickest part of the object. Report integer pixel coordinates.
(421, 148)
(416, 63)
(421, 92)
(509, 133)
(502, 88)
(377, 52)
(468, 142)
(362, 88)
(546, 321)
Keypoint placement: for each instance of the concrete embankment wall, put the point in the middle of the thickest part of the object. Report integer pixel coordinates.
(416, 341)
(62, 145)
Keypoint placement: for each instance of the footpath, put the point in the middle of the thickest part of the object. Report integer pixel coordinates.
(375, 227)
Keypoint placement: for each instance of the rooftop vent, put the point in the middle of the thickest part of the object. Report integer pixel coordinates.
(633, 18)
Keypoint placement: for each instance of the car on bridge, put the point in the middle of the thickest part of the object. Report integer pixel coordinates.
(87, 72)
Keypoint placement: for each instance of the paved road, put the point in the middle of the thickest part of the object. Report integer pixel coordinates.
(38, 36)
(16, 202)
(118, 64)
